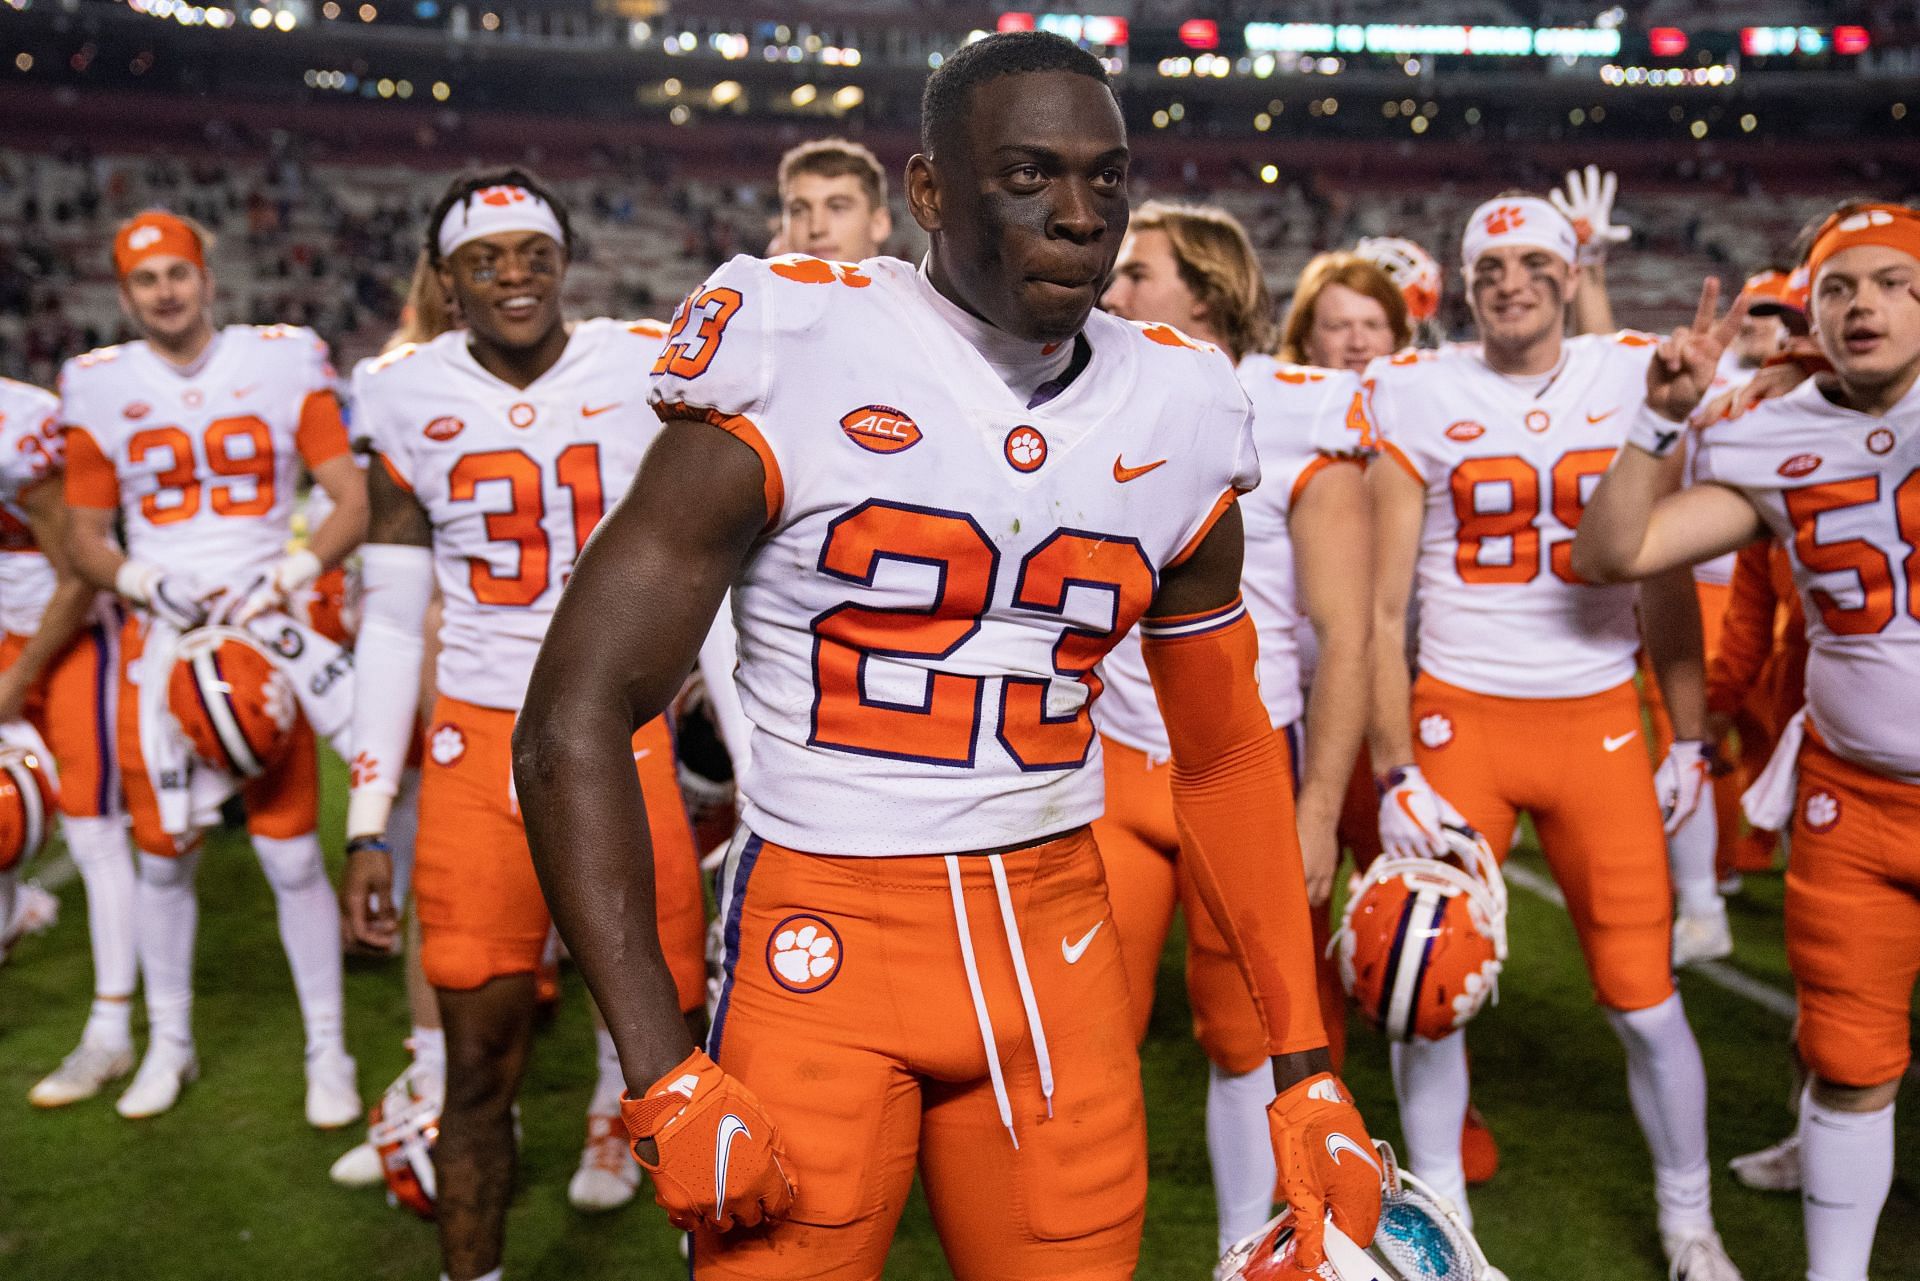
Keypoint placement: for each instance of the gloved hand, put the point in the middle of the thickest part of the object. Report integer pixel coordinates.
(717, 1156)
(1327, 1165)
(1680, 782)
(270, 590)
(172, 598)
(1411, 814)
(1587, 201)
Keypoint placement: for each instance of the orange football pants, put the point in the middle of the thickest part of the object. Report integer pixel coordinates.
(1139, 848)
(1579, 766)
(1853, 917)
(281, 804)
(72, 706)
(482, 915)
(848, 1011)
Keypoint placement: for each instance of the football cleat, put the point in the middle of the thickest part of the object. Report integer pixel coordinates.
(357, 1167)
(1705, 936)
(608, 1175)
(333, 1090)
(1421, 1237)
(1698, 1256)
(81, 1075)
(1423, 940)
(231, 701)
(402, 1128)
(27, 796)
(1409, 267)
(1774, 1169)
(164, 1072)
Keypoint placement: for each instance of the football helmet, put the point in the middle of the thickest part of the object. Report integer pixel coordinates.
(402, 1127)
(1411, 268)
(1423, 939)
(27, 795)
(233, 703)
(1421, 1237)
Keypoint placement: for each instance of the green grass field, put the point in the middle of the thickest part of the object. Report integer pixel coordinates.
(232, 1183)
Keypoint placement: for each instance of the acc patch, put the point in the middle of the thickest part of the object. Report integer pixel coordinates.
(1436, 730)
(1800, 465)
(1464, 431)
(445, 427)
(804, 953)
(1821, 813)
(880, 428)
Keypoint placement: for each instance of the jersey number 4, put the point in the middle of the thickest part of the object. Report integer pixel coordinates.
(943, 728)
(1478, 480)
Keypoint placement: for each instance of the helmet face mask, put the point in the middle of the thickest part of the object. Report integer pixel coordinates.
(1421, 1237)
(1423, 940)
(403, 1127)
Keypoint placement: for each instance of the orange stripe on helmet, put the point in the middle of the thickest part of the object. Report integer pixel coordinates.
(151, 235)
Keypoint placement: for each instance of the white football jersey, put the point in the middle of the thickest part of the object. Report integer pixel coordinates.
(29, 453)
(1508, 466)
(203, 465)
(513, 480)
(943, 566)
(1303, 419)
(1841, 490)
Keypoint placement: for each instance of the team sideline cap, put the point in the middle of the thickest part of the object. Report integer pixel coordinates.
(151, 235)
(1891, 226)
(1517, 220)
(492, 210)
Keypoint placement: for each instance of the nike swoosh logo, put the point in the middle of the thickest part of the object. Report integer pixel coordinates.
(1614, 742)
(1600, 418)
(731, 1128)
(1338, 1143)
(590, 411)
(1124, 473)
(1406, 807)
(1074, 951)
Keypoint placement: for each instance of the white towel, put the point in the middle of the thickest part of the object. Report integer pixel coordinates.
(1769, 802)
(188, 790)
(321, 672)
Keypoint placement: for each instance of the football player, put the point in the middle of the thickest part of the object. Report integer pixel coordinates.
(1346, 313)
(1525, 697)
(916, 970)
(1192, 267)
(833, 201)
(1829, 470)
(194, 437)
(497, 446)
(58, 658)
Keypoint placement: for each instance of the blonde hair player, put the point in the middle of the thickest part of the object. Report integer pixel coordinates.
(1307, 536)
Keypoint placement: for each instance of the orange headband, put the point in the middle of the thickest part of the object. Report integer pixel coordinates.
(1890, 226)
(152, 234)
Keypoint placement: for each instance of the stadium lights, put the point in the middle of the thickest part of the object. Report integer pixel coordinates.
(1715, 76)
(847, 97)
(24, 62)
(725, 93)
(442, 91)
(1269, 174)
(804, 95)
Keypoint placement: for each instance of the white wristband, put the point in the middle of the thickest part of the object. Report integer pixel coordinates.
(1654, 433)
(367, 811)
(297, 571)
(134, 580)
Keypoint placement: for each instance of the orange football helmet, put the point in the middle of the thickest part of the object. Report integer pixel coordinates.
(231, 700)
(403, 1127)
(27, 796)
(1423, 939)
(1409, 267)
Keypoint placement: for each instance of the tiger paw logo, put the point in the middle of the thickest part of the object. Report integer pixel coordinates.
(818, 271)
(500, 197)
(1880, 441)
(1537, 421)
(447, 745)
(277, 701)
(804, 953)
(1821, 812)
(364, 769)
(1436, 730)
(1026, 449)
(1504, 219)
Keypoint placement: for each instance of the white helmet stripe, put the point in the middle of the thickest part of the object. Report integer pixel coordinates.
(215, 696)
(1412, 947)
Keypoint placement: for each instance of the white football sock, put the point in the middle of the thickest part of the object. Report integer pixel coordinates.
(1239, 1150)
(104, 857)
(1690, 855)
(1667, 1083)
(1846, 1169)
(309, 932)
(168, 910)
(1430, 1081)
(610, 1082)
(430, 1049)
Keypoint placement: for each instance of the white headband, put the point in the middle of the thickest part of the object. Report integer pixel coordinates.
(492, 210)
(1518, 220)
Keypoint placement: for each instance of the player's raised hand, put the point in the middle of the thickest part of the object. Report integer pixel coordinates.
(1587, 201)
(1327, 1166)
(715, 1157)
(1683, 366)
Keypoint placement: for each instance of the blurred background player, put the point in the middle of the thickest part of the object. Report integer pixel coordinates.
(60, 675)
(1823, 467)
(1191, 267)
(1524, 699)
(194, 437)
(497, 448)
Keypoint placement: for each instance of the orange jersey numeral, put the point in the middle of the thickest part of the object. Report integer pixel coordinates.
(1871, 566)
(249, 490)
(1567, 492)
(578, 472)
(685, 357)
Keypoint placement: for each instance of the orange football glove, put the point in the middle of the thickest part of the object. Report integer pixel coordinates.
(719, 1156)
(1327, 1163)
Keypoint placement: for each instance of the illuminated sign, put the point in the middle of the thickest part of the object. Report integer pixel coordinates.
(1406, 39)
(1666, 42)
(1200, 33)
(1081, 28)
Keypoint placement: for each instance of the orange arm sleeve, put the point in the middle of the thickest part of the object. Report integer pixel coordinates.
(91, 480)
(1233, 802)
(1746, 637)
(322, 434)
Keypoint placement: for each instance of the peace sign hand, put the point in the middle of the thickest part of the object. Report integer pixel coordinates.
(1684, 364)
